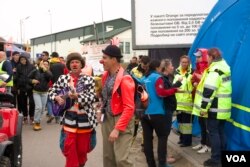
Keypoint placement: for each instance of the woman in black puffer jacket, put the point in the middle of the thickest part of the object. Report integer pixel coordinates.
(40, 78)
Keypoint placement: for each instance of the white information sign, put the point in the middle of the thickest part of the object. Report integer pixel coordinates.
(167, 23)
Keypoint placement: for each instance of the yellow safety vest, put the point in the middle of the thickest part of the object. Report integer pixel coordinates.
(216, 80)
(10, 83)
(184, 99)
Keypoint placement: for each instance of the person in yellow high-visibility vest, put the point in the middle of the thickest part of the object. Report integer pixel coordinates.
(184, 101)
(5, 69)
(213, 100)
(201, 65)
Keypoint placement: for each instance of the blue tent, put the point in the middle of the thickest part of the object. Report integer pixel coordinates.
(228, 28)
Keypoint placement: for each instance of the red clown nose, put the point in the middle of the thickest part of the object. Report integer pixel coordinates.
(101, 61)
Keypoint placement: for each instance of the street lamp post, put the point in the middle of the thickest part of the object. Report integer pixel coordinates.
(50, 15)
(21, 28)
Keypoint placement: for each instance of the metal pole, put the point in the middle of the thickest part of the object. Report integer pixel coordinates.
(50, 31)
(96, 34)
(21, 28)
(21, 31)
(102, 24)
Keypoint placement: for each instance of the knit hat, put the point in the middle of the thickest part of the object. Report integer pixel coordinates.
(74, 56)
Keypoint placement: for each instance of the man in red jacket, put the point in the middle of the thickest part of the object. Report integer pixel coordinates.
(118, 110)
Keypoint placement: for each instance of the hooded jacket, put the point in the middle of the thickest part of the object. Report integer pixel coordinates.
(22, 80)
(200, 66)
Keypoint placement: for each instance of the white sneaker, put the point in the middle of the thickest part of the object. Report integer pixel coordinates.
(204, 149)
(197, 147)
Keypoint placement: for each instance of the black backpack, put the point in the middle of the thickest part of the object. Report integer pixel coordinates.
(139, 108)
(139, 105)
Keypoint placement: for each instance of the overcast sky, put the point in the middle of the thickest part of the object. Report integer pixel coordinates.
(65, 14)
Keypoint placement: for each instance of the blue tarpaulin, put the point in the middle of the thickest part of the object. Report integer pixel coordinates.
(228, 28)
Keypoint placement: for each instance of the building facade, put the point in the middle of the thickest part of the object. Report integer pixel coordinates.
(79, 38)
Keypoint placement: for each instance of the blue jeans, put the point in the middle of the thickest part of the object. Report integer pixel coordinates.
(216, 137)
(40, 104)
(49, 107)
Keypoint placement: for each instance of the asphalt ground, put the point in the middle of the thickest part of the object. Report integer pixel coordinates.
(41, 149)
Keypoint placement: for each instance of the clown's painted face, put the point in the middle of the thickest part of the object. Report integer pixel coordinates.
(75, 66)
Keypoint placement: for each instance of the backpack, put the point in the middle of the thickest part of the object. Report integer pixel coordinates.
(141, 102)
(57, 69)
(140, 97)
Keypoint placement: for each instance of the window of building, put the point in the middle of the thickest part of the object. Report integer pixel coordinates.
(121, 47)
(109, 28)
(127, 47)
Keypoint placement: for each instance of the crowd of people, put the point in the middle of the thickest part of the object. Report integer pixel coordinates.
(74, 97)
(204, 92)
(29, 82)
